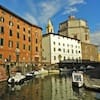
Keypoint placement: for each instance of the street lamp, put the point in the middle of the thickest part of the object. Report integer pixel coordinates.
(17, 51)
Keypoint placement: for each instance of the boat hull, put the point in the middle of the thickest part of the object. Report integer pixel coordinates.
(76, 84)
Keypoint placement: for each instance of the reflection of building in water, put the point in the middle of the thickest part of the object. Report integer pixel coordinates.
(46, 88)
(62, 89)
(2, 89)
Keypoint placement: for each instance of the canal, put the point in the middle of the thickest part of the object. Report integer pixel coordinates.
(49, 87)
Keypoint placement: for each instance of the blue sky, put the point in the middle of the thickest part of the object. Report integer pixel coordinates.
(39, 11)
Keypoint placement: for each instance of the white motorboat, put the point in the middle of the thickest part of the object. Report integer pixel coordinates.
(41, 71)
(29, 76)
(77, 78)
(17, 79)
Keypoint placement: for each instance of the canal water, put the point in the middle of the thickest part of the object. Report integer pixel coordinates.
(49, 87)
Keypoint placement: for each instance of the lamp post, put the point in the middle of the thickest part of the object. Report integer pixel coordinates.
(17, 51)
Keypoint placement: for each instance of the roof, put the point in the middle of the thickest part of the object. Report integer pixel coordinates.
(44, 35)
(5, 9)
(72, 19)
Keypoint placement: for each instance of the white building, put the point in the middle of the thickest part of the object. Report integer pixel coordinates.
(58, 48)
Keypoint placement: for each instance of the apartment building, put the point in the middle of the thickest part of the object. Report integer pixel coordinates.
(57, 48)
(19, 39)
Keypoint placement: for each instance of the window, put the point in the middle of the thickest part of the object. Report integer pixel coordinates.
(18, 27)
(59, 49)
(29, 39)
(36, 40)
(9, 57)
(54, 43)
(24, 29)
(1, 19)
(23, 37)
(1, 29)
(0, 56)
(29, 48)
(24, 46)
(11, 17)
(63, 44)
(86, 37)
(54, 49)
(36, 49)
(68, 50)
(10, 32)
(18, 35)
(29, 31)
(10, 44)
(17, 45)
(10, 23)
(1, 41)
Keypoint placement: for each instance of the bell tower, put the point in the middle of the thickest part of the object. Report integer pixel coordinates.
(49, 28)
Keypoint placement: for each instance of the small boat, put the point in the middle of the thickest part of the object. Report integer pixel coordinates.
(89, 67)
(17, 79)
(41, 71)
(77, 78)
(36, 73)
(29, 76)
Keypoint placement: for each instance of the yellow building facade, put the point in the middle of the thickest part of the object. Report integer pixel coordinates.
(89, 52)
(75, 28)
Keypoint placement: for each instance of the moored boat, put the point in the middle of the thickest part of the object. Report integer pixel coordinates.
(41, 71)
(29, 76)
(77, 78)
(17, 79)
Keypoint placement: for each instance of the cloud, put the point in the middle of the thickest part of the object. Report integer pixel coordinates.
(75, 2)
(31, 19)
(41, 11)
(70, 10)
(44, 9)
(95, 38)
(48, 10)
(71, 6)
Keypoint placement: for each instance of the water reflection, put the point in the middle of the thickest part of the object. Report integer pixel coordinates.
(52, 87)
